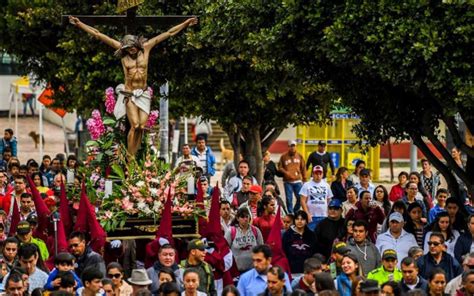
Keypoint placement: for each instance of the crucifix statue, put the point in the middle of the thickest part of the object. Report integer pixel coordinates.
(134, 98)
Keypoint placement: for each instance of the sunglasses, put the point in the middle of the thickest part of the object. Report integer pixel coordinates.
(115, 275)
(434, 244)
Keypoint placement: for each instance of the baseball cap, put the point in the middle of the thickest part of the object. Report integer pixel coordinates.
(291, 142)
(23, 227)
(318, 168)
(368, 286)
(32, 219)
(340, 248)
(255, 189)
(335, 203)
(197, 244)
(389, 254)
(396, 216)
(365, 172)
(321, 143)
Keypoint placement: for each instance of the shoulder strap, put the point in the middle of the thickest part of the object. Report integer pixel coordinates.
(254, 230)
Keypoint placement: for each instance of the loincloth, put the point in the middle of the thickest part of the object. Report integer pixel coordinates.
(141, 98)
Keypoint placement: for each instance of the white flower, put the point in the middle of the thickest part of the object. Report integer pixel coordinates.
(156, 206)
(147, 210)
(140, 184)
(141, 206)
(153, 191)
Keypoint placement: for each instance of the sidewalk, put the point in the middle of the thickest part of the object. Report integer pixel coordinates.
(53, 137)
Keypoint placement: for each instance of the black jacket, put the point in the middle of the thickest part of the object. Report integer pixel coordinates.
(298, 248)
(339, 191)
(422, 285)
(89, 259)
(325, 234)
(315, 159)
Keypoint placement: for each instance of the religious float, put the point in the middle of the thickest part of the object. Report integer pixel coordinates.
(130, 191)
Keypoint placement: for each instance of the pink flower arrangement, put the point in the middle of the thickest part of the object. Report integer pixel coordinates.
(152, 118)
(95, 125)
(109, 100)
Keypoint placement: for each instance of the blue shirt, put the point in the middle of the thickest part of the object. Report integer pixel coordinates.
(434, 212)
(252, 283)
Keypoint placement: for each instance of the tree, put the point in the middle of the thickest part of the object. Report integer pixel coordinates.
(220, 70)
(402, 67)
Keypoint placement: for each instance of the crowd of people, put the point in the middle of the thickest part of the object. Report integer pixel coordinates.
(345, 237)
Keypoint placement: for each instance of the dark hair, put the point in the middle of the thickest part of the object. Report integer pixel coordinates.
(353, 257)
(421, 189)
(243, 161)
(407, 261)
(190, 270)
(20, 177)
(11, 240)
(14, 277)
(25, 195)
(410, 225)
(466, 274)
(324, 281)
(364, 192)
(355, 285)
(143, 292)
(361, 223)
(339, 173)
(265, 201)
(395, 287)
(24, 167)
(37, 291)
(200, 138)
(230, 289)
(107, 281)
(320, 257)
(40, 176)
(310, 264)
(417, 292)
(278, 271)
(435, 225)
(166, 246)
(439, 235)
(358, 163)
(28, 250)
(33, 164)
(9, 130)
(385, 201)
(434, 272)
(115, 265)
(91, 273)
(353, 188)
(303, 215)
(248, 177)
(77, 234)
(403, 173)
(441, 190)
(265, 249)
(168, 271)
(169, 288)
(67, 279)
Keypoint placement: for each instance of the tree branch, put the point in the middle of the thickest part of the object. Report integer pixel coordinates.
(271, 138)
(458, 141)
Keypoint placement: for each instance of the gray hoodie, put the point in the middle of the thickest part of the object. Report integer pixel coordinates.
(367, 254)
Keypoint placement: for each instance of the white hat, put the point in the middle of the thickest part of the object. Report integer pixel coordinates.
(139, 278)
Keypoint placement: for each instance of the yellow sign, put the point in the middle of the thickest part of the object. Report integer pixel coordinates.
(353, 157)
(123, 5)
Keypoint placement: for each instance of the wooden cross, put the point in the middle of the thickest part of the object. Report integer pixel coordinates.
(130, 20)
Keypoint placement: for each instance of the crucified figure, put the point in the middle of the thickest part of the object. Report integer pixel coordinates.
(134, 98)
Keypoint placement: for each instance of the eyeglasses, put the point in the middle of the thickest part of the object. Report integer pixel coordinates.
(434, 244)
(115, 275)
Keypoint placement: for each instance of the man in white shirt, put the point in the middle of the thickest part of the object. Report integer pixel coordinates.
(315, 197)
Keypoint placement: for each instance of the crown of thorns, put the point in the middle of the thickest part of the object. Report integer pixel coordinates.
(129, 41)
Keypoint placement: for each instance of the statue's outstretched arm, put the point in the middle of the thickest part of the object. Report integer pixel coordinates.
(94, 32)
(171, 32)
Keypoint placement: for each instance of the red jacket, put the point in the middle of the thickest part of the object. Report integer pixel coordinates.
(372, 216)
(265, 224)
(396, 193)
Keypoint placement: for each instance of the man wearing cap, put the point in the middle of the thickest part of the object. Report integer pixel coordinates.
(315, 197)
(292, 166)
(369, 287)
(396, 237)
(235, 184)
(24, 234)
(388, 271)
(364, 182)
(322, 158)
(330, 228)
(339, 249)
(365, 251)
(139, 280)
(255, 195)
(196, 255)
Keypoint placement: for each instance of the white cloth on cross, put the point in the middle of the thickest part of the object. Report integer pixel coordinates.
(141, 98)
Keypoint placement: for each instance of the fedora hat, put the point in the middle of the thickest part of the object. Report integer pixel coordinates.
(139, 278)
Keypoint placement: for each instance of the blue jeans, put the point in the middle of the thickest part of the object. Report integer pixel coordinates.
(314, 222)
(290, 189)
